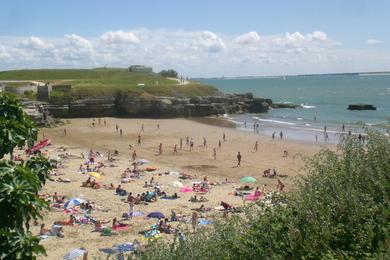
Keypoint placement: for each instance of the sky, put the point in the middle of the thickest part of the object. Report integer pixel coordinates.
(198, 38)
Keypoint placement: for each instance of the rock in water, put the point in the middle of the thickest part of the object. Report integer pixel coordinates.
(361, 107)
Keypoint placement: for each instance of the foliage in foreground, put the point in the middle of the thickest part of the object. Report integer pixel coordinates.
(19, 184)
(340, 211)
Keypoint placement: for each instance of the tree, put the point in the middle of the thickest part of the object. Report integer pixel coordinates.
(168, 73)
(19, 184)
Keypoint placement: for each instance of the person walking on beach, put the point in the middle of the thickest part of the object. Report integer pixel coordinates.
(160, 149)
(181, 143)
(191, 145)
(139, 140)
(116, 127)
(273, 136)
(324, 128)
(105, 123)
(187, 141)
(175, 149)
(158, 126)
(64, 131)
(120, 132)
(224, 137)
(219, 144)
(238, 159)
(142, 128)
(281, 135)
(215, 153)
(134, 155)
(204, 142)
(256, 146)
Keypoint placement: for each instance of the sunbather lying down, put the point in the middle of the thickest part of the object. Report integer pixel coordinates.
(65, 180)
(196, 199)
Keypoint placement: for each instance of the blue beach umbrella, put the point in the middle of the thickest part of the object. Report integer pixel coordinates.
(73, 203)
(156, 214)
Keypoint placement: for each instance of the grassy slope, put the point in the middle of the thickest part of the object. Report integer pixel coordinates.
(106, 81)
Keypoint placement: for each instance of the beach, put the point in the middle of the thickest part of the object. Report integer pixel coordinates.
(81, 136)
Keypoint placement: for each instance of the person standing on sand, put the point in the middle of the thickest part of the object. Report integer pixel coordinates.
(142, 128)
(160, 149)
(175, 149)
(280, 186)
(238, 159)
(181, 143)
(204, 142)
(187, 141)
(158, 126)
(139, 140)
(116, 127)
(273, 135)
(134, 155)
(120, 132)
(256, 146)
(224, 137)
(105, 123)
(215, 153)
(343, 128)
(191, 145)
(64, 131)
(219, 144)
(281, 135)
(131, 208)
(194, 220)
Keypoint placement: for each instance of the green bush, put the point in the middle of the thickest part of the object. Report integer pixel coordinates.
(340, 211)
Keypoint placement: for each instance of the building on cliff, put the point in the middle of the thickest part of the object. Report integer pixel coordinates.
(140, 68)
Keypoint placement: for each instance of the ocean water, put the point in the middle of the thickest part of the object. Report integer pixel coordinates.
(324, 100)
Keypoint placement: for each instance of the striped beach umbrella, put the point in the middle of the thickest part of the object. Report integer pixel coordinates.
(75, 253)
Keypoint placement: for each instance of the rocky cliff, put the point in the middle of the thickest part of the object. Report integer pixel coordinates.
(124, 105)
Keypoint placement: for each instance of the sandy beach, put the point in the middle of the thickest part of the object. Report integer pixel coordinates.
(81, 136)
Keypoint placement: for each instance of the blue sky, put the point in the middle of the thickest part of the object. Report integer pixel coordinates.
(198, 38)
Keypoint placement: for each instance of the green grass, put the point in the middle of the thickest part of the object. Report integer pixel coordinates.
(105, 81)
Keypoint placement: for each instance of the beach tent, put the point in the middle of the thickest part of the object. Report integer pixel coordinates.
(73, 202)
(38, 146)
(95, 175)
(156, 214)
(75, 253)
(248, 179)
(176, 184)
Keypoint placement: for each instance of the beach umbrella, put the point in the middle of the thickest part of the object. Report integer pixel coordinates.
(95, 175)
(176, 184)
(156, 214)
(73, 202)
(248, 179)
(141, 161)
(75, 253)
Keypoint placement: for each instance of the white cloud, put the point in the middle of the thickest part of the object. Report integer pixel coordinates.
(317, 36)
(35, 43)
(211, 42)
(373, 41)
(193, 53)
(119, 37)
(248, 38)
(78, 41)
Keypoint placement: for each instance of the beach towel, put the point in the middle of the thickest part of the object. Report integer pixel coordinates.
(151, 168)
(205, 222)
(121, 228)
(75, 253)
(251, 197)
(186, 189)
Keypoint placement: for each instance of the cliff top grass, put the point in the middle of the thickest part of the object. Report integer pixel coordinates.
(106, 81)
